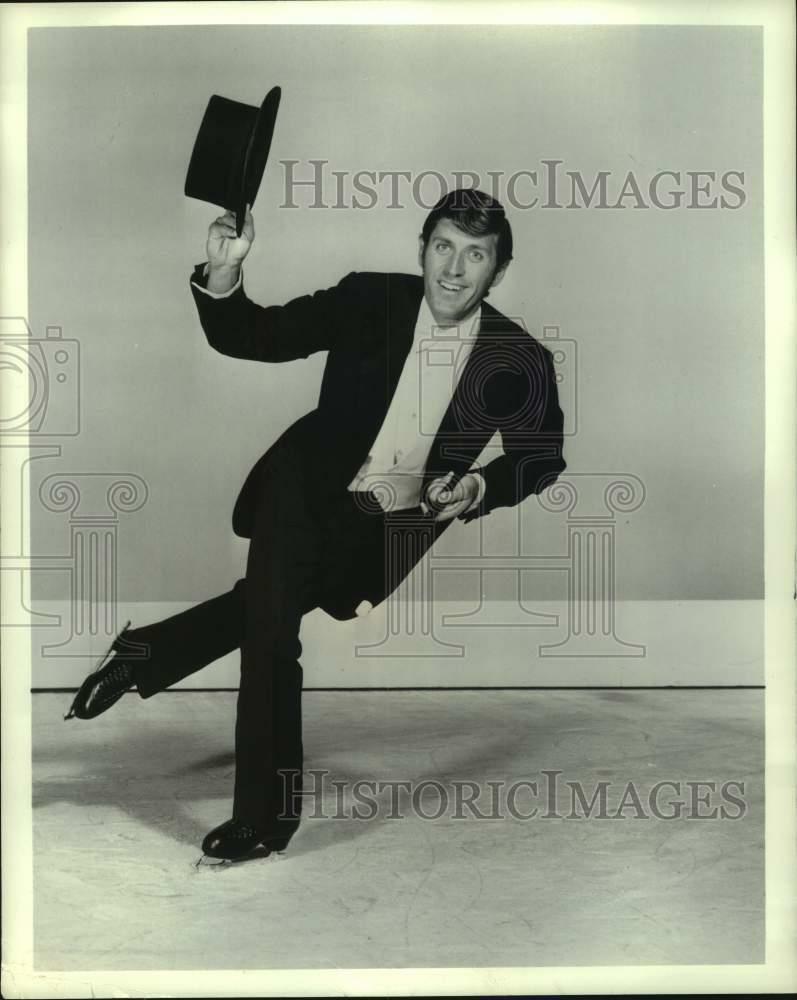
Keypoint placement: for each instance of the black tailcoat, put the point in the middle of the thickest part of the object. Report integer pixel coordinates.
(366, 324)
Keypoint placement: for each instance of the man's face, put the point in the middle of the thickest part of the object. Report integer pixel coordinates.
(458, 271)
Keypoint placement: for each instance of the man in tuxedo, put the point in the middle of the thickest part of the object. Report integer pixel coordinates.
(344, 504)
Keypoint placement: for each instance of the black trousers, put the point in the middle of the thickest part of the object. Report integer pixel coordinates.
(302, 540)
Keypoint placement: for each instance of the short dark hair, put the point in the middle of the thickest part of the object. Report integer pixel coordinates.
(476, 213)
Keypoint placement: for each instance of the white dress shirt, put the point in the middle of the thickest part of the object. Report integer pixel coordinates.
(394, 466)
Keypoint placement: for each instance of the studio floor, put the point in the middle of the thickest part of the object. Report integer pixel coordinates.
(121, 805)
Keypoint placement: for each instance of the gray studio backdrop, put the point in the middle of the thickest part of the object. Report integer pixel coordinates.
(663, 309)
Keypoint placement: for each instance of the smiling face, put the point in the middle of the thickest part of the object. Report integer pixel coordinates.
(458, 271)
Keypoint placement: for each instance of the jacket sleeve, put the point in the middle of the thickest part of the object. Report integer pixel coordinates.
(240, 328)
(532, 458)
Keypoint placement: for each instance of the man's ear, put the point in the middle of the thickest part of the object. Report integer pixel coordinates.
(498, 277)
(420, 252)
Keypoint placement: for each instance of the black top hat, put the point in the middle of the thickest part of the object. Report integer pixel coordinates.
(230, 153)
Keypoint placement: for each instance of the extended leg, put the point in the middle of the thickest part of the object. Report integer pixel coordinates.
(184, 643)
(156, 656)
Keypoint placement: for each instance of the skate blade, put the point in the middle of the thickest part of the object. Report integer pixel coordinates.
(260, 854)
(212, 863)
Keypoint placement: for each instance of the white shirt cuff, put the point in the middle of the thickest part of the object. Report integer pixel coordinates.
(220, 295)
(482, 487)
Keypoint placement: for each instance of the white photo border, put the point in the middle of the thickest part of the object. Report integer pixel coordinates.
(779, 972)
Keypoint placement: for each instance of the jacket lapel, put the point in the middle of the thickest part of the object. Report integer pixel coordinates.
(382, 361)
(404, 302)
(466, 426)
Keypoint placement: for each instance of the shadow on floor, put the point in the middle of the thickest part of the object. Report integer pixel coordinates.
(155, 779)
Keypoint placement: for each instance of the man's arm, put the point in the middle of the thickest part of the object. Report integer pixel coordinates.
(238, 327)
(532, 444)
